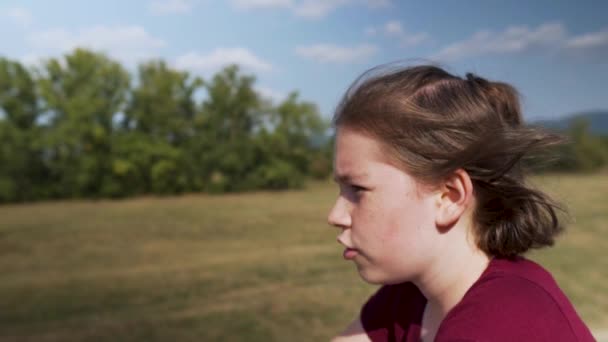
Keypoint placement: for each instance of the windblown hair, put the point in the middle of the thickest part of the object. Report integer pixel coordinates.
(434, 123)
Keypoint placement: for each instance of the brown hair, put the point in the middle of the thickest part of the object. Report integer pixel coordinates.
(435, 123)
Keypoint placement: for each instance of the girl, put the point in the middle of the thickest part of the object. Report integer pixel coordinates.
(434, 206)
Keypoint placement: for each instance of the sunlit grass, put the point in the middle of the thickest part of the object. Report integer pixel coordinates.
(258, 266)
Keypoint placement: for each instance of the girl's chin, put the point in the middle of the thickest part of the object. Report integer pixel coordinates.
(369, 276)
(376, 277)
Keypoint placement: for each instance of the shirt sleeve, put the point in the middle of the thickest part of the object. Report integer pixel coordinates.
(392, 313)
(375, 313)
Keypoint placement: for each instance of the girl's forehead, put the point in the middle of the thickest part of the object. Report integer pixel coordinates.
(349, 141)
(356, 151)
(352, 157)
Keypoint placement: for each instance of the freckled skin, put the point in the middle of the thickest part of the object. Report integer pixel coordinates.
(391, 221)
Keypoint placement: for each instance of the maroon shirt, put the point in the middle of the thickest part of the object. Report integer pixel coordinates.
(513, 300)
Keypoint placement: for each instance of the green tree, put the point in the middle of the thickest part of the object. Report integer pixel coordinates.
(232, 108)
(21, 170)
(74, 127)
(293, 144)
(162, 105)
(294, 126)
(82, 94)
(226, 126)
(18, 97)
(157, 130)
(588, 151)
(144, 164)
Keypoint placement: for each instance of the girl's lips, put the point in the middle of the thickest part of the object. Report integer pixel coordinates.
(350, 253)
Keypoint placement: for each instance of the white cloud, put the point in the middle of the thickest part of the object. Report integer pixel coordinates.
(371, 31)
(394, 29)
(161, 7)
(512, 40)
(311, 9)
(593, 45)
(588, 40)
(329, 53)
(517, 39)
(222, 57)
(314, 9)
(20, 16)
(127, 43)
(255, 4)
(270, 93)
(415, 39)
(378, 3)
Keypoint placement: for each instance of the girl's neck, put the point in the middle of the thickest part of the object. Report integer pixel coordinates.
(446, 288)
(446, 282)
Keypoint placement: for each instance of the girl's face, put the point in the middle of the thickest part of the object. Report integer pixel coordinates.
(386, 217)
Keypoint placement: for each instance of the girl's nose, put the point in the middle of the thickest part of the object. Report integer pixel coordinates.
(339, 215)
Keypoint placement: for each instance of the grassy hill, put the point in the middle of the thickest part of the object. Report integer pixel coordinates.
(251, 267)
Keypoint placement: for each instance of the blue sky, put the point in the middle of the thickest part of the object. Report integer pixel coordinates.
(554, 52)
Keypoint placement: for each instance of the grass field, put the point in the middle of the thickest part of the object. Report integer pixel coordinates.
(254, 267)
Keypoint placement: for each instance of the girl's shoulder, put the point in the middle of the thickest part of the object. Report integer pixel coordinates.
(517, 299)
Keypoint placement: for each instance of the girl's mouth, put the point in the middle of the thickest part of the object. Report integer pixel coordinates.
(350, 253)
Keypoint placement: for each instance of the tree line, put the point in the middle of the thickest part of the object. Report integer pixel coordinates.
(582, 151)
(81, 126)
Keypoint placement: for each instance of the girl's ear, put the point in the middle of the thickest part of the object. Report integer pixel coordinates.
(455, 195)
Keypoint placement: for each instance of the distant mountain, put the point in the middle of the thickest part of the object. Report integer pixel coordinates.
(597, 119)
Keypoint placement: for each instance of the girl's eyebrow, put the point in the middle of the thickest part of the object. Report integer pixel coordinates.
(349, 178)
